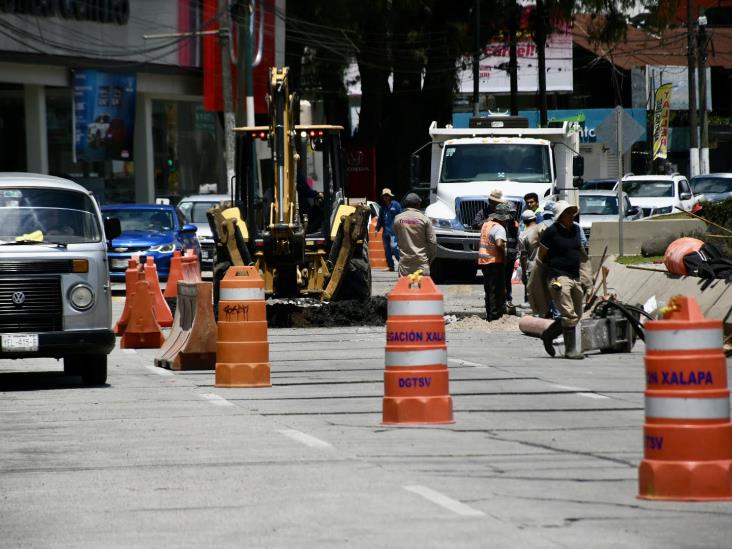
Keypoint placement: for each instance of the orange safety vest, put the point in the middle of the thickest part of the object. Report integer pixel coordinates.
(489, 252)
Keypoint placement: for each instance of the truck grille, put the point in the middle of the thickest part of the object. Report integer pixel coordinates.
(36, 267)
(466, 209)
(41, 310)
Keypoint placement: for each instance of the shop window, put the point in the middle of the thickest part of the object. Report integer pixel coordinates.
(188, 149)
(12, 128)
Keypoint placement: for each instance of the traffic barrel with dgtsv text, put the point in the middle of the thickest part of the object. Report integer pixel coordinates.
(242, 349)
(416, 386)
(687, 432)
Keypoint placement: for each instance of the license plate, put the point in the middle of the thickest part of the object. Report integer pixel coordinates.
(119, 263)
(20, 343)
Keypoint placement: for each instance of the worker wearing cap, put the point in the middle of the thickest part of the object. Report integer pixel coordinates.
(387, 213)
(560, 250)
(495, 198)
(491, 261)
(415, 236)
(528, 247)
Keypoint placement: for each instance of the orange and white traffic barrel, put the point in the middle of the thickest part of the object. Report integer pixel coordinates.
(416, 381)
(377, 256)
(687, 432)
(242, 349)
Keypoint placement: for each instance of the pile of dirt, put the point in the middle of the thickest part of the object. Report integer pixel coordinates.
(306, 313)
(476, 324)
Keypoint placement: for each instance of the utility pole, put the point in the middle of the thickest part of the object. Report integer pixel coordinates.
(229, 116)
(476, 61)
(703, 42)
(693, 135)
(513, 57)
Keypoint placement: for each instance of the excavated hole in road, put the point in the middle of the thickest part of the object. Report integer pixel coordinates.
(309, 313)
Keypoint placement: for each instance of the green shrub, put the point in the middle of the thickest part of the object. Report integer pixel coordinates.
(719, 213)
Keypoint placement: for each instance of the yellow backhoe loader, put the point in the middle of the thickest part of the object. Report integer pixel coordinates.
(307, 239)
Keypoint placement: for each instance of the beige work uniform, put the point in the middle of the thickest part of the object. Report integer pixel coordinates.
(417, 241)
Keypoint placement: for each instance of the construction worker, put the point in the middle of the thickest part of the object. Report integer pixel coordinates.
(512, 236)
(491, 261)
(495, 198)
(528, 247)
(560, 250)
(387, 213)
(416, 238)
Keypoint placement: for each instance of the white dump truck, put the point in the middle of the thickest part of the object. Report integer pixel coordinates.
(498, 153)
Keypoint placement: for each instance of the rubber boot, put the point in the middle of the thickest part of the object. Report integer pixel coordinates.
(571, 345)
(550, 334)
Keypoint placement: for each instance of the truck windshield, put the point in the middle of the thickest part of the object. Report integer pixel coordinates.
(521, 162)
(40, 215)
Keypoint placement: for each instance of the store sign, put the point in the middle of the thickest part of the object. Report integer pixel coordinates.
(494, 60)
(99, 11)
(104, 115)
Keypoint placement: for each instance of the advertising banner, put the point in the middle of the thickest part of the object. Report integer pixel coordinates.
(493, 71)
(104, 115)
(661, 114)
(361, 171)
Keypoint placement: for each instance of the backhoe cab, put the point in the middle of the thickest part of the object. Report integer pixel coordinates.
(305, 239)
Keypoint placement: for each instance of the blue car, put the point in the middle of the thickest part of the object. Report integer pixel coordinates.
(154, 230)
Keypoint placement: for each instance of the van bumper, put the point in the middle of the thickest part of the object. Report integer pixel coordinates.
(69, 342)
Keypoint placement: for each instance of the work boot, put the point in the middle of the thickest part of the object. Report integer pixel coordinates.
(550, 334)
(571, 345)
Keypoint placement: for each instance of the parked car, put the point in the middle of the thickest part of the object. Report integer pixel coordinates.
(604, 184)
(603, 206)
(712, 187)
(154, 230)
(659, 194)
(194, 209)
(54, 285)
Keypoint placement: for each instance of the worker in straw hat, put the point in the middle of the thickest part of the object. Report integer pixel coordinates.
(560, 250)
(495, 198)
(387, 213)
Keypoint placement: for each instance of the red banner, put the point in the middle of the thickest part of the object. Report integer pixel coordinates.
(361, 171)
(213, 99)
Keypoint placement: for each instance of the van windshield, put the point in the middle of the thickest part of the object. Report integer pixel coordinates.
(521, 162)
(40, 215)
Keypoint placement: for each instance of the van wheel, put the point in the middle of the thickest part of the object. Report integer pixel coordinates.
(91, 368)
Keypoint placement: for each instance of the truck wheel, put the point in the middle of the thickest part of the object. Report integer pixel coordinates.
(91, 368)
(437, 271)
(467, 272)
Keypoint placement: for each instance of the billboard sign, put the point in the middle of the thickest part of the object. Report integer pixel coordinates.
(104, 115)
(493, 71)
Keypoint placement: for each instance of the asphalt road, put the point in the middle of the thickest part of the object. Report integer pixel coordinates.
(543, 453)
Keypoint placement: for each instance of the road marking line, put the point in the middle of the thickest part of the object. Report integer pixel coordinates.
(128, 351)
(592, 395)
(306, 439)
(159, 371)
(466, 363)
(442, 500)
(216, 399)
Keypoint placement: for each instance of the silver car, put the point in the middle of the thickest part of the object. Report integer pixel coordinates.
(194, 209)
(55, 298)
(603, 206)
(712, 187)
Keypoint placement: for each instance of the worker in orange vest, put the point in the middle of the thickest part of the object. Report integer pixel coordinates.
(491, 260)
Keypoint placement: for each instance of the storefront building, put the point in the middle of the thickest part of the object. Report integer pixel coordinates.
(87, 93)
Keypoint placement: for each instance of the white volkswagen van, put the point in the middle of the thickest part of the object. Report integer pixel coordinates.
(55, 297)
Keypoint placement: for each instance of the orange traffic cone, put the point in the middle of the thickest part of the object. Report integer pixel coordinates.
(130, 283)
(242, 350)
(143, 330)
(687, 433)
(377, 257)
(162, 311)
(416, 376)
(174, 275)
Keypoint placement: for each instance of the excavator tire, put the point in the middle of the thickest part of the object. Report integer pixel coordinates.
(356, 282)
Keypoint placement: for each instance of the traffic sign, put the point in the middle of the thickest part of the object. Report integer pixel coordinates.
(607, 131)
